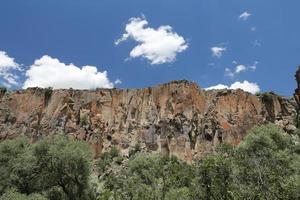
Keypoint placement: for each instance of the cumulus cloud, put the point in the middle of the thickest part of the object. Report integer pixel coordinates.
(157, 45)
(246, 86)
(50, 72)
(244, 16)
(217, 51)
(239, 68)
(7, 68)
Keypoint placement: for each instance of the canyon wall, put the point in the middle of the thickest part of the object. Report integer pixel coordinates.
(176, 118)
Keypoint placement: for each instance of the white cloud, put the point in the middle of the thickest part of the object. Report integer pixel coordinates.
(229, 73)
(217, 87)
(50, 72)
(254, 66)
(118, 81)
(217, 51)
(246, 86)
(239, 69)
(7, 68)
(157, 45)
(253, 29)
(244, 16)
(7, 62)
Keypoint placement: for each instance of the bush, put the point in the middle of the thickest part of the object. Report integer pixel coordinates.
(3, 90)
(84, 120)
(268, 96)
(136, 149)
(108, 158)
(48, 94)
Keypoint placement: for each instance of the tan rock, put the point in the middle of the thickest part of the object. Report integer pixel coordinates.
(177, 118)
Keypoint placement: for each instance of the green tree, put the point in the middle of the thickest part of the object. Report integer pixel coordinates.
(266, 165)
(147, 176)
(57, 167)
(66, 165)
(9, 152)
(213, 178)
(26, 173)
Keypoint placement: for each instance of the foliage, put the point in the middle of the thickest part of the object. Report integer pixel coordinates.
(3, 90)
(52, 167)
(48, 94)
(136, 149)
(10, 150)
(266, 165)
(213, 178)
(108, 158)
(13, 195)
(268, 97)
(84, 120)
(147, 176)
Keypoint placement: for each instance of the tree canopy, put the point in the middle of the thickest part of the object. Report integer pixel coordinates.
(264, 166)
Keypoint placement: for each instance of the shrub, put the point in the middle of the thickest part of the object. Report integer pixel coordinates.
(48, 93)
(108, 158)
(269, 96)
(84, 120)
(136, 149)
(3, 90)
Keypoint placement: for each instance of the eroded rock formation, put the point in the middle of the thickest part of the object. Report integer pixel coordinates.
(297, 96)
(177, 118)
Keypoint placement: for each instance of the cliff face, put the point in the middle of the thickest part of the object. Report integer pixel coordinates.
(177, 118)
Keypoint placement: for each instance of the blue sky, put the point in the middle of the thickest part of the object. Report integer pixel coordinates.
(254, 41)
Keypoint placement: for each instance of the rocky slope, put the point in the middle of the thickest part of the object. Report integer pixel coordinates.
(177, 118)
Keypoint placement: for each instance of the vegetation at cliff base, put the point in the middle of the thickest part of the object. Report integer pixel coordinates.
(265, 166)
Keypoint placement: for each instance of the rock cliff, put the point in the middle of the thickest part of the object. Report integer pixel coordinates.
(177, 118)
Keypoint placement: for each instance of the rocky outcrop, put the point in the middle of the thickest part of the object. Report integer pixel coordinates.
(297, 96)
(177, 118)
